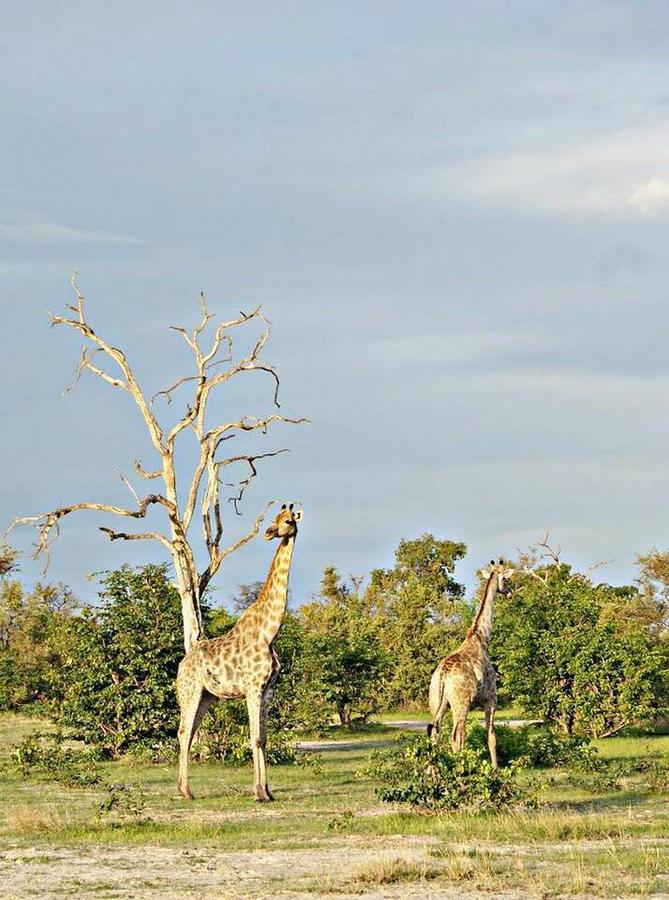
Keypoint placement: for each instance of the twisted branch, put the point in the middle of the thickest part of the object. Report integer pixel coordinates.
(48, 524)
(208, 374)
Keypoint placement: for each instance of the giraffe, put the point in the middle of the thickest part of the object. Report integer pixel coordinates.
(466, 677)
(241, 663)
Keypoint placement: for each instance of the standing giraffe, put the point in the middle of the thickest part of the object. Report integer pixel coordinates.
(466, 677)
(241, 663)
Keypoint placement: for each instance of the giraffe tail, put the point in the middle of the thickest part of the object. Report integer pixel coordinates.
(430, 728)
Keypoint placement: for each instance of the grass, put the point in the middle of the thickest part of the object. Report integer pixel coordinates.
(580, 840)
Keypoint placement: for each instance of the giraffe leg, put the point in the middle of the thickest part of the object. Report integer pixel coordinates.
(438, 707)
(260, 792)
(264, 710)
(490, 728)
(459, 732)
(193, 708)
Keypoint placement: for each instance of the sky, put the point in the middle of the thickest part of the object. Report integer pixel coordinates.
(455, 216)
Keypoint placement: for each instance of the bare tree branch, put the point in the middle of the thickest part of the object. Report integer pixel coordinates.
(130, 383)
(48, 524)
(214, 365)
(142, 471)
(213, 567)
(549, 552)
(245, 482)
(139, 536)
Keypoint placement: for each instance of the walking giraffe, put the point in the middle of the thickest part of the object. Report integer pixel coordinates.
(241, 663)
(466, 678)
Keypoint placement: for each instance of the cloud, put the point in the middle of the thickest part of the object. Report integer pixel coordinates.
(50, 233)
(621, 176)
(652, 197)
(458, 347)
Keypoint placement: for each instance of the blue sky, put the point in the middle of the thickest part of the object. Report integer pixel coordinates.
(454, 214)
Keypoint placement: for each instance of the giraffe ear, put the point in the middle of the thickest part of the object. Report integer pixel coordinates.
(508, 573)
(298, 515)
(485, 573)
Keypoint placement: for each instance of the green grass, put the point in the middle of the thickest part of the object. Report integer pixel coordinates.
(588, 842)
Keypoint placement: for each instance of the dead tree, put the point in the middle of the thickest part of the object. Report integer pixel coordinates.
(213, 367)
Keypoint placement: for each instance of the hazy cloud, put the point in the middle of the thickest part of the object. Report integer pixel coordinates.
(615, 176)
(51, 233)
(651, 197)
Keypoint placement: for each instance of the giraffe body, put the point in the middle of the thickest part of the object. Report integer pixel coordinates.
(241, 663)
(466, 678)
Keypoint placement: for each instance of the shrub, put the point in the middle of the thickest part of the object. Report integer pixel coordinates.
(118, 679)
(43, 755)
(429, 776)
(544, 749)
(224, 736)
(548, 750)
(125, 802)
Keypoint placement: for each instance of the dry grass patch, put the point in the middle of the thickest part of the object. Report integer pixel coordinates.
(25, 819)
(390, 871)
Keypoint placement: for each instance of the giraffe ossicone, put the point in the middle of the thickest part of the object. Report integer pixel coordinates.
(241, 663)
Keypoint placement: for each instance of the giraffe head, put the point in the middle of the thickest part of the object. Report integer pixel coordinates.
(502, 572)
(285, 523)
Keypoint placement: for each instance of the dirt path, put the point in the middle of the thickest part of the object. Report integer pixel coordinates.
(401, 725)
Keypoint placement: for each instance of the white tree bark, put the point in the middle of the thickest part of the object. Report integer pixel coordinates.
(202, 490)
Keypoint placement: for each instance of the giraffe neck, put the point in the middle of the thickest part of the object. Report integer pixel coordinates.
(270, 607)
(482, 624)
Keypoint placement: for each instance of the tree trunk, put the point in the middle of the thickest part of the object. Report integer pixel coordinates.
(192, 627)
(345, 716)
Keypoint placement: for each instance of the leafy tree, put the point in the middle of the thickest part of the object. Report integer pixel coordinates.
(348, 663)
(562, 655)
(421, 613)
(118, 679)
(653, 584)
(33, 640)
(8, 558)
(246, 595)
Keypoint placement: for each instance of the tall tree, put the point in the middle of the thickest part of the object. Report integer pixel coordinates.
(349, 663)
(214, 366)
(421, 613)
(34, 640)
(578, 654)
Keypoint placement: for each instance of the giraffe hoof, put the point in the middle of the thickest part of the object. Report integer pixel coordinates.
(264, 796)
(186, 793)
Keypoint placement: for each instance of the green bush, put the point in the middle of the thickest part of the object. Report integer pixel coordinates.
(44, 755)
(581, 656)
(533, 748)
(429, 776)
(224, 737)
(125, 802)
(118, 677)
(512, 743)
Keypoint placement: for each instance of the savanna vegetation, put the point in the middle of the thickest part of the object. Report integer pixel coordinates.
(89, 722)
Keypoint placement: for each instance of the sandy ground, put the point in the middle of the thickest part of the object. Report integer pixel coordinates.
(171, 872)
